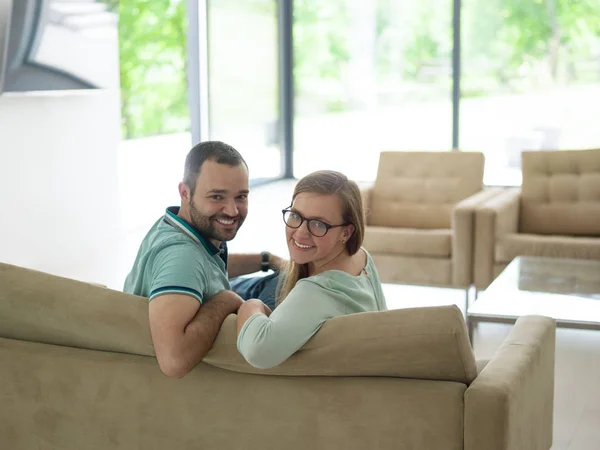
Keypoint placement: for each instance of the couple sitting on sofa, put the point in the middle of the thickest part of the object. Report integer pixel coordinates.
(183, 266)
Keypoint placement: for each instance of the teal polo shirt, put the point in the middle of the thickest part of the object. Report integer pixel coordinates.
(174, 258)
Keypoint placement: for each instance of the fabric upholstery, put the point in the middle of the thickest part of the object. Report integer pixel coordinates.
(358, 383)
(36, 306)
(426, 343)
(512, 245)
(102, 319)
(72, 399)
(495, 217)
(366, 192)
(561, 193)
(421, 216)
(481, 363)
(496, 417)
(556, 213)
(408, 241)
(463, 236)
(413, 269)
(419, 189)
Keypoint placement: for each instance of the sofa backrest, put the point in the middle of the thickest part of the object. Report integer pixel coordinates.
(561, 192)
(424, 343)
(39, 307)
(419, 189)
(429, 343)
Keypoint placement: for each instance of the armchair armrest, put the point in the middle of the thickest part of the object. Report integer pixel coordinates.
(366, 192)
(463, 225)
(493, 218)
(510, 404)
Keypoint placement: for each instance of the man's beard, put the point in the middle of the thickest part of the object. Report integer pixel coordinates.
(206, 224)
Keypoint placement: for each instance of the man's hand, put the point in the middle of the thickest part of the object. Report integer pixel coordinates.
(277, 263)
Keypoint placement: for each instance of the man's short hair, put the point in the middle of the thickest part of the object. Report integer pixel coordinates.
(209, 151)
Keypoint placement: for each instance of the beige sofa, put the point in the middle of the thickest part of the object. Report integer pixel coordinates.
(556, 213)
(77, 372)
(420, 216)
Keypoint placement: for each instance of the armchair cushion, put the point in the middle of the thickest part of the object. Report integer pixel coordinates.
(509, 246)
(409, 241)
(419, 189)
(561, 192)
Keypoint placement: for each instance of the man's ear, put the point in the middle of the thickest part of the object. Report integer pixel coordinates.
(184, 192)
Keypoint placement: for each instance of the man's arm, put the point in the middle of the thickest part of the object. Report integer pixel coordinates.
(183, 330)
(239, 264)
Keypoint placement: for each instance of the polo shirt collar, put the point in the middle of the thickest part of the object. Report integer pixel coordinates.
(173, 219)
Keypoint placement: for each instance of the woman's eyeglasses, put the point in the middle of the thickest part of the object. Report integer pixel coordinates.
(316, 227)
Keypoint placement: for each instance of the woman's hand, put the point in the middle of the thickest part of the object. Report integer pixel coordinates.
(248, 309)
(267, 310)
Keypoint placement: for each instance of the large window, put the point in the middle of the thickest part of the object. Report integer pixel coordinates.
(367, 76)
(530, 80)
(370, 76)
(243, 81)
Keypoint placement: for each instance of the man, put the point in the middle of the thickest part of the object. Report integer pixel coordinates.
(183, 266)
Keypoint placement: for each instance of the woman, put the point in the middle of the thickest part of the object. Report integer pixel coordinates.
(329, 273)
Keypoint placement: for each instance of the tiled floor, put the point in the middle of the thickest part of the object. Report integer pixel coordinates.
(577, 395)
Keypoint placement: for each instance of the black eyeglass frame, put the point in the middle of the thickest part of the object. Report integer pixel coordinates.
(308, 221)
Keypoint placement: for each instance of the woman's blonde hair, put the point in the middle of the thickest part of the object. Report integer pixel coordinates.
(328, 182)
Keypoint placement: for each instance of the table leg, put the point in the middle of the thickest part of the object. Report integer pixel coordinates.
(471, 328)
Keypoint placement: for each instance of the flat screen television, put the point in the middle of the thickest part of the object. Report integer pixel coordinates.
(48, 45)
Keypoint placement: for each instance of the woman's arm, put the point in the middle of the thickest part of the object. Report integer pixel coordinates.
(266, 342)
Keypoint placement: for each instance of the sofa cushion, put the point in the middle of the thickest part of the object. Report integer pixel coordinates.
(561, 192)
(419, 189)
(408, 241)
(512, 245)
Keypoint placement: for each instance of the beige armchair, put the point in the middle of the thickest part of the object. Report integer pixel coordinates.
(556, 213)
(420, 216)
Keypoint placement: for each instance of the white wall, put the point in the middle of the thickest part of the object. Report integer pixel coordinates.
(58, 179)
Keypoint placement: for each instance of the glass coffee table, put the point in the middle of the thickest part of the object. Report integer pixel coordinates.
(567, 290)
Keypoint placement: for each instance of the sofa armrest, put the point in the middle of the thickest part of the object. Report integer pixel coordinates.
(463, 226)
(510, 404)
(493, 218)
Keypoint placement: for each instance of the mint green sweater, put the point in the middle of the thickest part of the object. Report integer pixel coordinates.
(266, 342)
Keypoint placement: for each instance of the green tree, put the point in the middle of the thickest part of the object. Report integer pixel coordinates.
(423, 48)
(320, 47)
(515, 32)
(153, 70)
